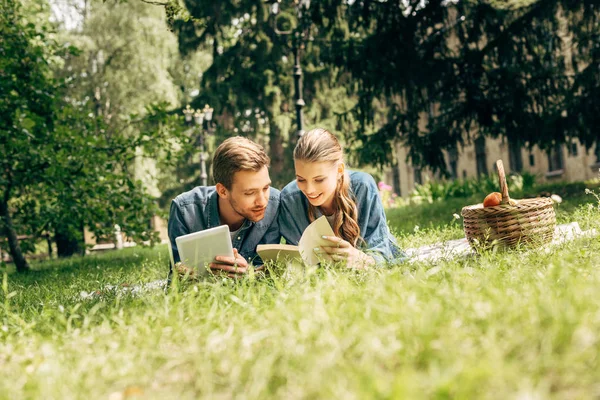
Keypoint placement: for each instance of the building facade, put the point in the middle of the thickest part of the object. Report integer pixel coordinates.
(567, 162)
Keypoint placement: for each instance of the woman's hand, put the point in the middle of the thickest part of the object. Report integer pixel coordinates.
(341, 250)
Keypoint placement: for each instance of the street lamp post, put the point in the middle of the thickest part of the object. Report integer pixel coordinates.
(299, 34)
(201, 120)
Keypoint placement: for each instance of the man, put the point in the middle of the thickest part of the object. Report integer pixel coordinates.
(242, 199)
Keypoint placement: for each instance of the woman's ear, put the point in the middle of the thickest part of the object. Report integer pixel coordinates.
(341, 169)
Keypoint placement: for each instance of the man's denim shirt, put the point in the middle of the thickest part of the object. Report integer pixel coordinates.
(380, 243)
(198, 209)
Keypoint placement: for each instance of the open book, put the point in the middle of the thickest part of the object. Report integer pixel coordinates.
(305, 251)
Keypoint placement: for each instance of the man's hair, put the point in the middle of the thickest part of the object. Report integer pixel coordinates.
(237, 154)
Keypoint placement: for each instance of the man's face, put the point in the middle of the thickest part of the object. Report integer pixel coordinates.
(249, 193)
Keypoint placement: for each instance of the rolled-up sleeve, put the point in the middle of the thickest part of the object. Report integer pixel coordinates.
(176, 227)
(380, 243)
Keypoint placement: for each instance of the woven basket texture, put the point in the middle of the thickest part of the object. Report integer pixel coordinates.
(529, 222)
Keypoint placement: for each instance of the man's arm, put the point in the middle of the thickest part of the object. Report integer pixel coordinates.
(176, 227)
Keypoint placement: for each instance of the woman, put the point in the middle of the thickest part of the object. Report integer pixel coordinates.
(350, 201)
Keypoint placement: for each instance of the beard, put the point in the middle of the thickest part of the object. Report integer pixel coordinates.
(251, 214)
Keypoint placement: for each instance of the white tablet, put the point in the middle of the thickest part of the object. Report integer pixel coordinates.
(199, 249)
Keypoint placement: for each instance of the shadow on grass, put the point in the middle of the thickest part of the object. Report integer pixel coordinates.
(113, 262)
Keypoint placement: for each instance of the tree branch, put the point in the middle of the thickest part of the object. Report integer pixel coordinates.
(155, 3)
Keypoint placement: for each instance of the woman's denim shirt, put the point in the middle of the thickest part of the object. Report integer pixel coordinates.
(198, 210)
(380, 243)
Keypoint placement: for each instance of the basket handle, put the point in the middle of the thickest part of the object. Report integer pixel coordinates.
(502, 180)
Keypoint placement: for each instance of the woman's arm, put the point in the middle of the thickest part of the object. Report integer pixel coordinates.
(379, 242)
(293, 219)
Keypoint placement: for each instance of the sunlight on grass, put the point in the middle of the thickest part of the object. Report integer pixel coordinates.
(500, 325)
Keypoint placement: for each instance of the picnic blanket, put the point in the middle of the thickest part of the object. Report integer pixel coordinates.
(461, 248)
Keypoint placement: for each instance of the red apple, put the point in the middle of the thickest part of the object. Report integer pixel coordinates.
(492, 199)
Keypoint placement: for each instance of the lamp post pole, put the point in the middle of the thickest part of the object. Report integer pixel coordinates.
(299, 33)
(201, 120)
(298, 85)
(205, 128)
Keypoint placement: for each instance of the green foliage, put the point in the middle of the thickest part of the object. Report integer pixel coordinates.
(417, 73)
(27, 98)
(245, 80)
(429, 76)
(68, 142)
(430, 191)
(519, 185)
(565, 189)
(250, 82)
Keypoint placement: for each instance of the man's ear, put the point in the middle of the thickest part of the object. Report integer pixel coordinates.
(221, 190)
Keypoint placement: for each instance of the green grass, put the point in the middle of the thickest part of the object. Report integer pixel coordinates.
(501, 325)
(440, 213)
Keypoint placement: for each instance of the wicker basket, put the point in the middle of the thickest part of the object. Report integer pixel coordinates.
(528, 221)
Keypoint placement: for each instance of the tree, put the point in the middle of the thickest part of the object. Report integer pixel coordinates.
(245, 81)
(524, 70)
(27, 108)
(250, 82)
(62, 165)
(124, 65)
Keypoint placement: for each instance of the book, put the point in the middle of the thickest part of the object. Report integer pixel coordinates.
(305, 251)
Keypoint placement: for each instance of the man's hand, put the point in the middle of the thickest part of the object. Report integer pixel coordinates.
(233, 267)
(183, 270)
(341, 250)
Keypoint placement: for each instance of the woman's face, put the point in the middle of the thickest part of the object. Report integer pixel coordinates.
(318, 181)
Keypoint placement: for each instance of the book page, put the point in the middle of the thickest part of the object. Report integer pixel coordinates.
(311, 238)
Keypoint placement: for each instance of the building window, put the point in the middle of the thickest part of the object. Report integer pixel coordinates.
(555, 159)
(464, 173)
(417, 176)
(515, 157)
(396, 179)
(481, 156)
(453, 162)
(573, 150)
(531, 160)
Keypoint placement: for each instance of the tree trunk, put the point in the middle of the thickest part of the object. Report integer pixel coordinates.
(67, 244)
(13, 242)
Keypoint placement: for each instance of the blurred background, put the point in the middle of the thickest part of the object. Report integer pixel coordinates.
(109, 109)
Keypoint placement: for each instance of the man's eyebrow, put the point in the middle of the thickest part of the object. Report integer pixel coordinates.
(256, 188)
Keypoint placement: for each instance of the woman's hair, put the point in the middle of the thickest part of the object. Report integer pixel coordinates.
(320, 145)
